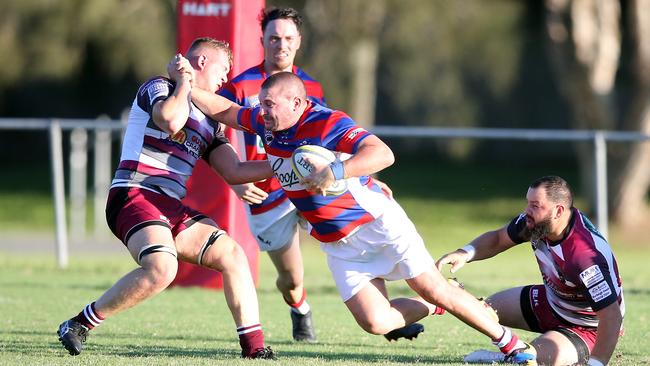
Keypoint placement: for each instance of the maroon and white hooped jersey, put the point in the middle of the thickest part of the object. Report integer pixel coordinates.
(154, 160)
(580, 272)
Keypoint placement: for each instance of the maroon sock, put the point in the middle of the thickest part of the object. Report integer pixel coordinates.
(89, 317)
(251, 339)
(439, 311)
(300, 302)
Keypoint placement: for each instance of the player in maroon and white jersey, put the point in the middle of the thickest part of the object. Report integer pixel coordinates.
(366, 235)
(165, 137)
(579, 308)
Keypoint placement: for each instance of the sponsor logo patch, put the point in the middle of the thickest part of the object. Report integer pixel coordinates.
(156, 90)
(260, 145)
(268, 136)
(600, 291)
(535, 297)
(591, 275)
(254, 101)
(354, 133)
(211, 9)
(179, 137)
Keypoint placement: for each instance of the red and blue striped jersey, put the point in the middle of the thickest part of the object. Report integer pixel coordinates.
(244, 90)
(154, 160)
(331, 217)
(580, 272)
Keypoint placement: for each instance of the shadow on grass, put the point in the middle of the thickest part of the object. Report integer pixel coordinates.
(31, 344)
(42, 285)
(368, 357)
(636, 291)
(322, 290)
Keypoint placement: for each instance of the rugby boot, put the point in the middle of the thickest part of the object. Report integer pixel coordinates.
(265, 353)
(303, 327)
(72, 336)
(522, 356)
(409, 332)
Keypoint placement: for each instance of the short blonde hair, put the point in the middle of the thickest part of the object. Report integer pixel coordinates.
(211, 43)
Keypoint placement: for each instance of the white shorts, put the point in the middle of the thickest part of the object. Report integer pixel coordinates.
(388, 247)
(275, 228)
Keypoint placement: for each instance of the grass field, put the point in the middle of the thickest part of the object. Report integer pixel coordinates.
(189, 326)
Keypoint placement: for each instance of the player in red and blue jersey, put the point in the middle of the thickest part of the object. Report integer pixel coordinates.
(165, 136)
(244, 90)
(272, 218)
(366, 235)
(579, 308)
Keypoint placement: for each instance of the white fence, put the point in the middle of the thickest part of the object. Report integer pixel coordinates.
(102, 130)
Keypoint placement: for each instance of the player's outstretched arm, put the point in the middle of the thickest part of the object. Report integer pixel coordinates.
(225, 161)
(171, 113)
(609, 325)
(216, 107)
(486, 245)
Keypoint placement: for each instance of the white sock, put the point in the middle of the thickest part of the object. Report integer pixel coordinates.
(302, 309)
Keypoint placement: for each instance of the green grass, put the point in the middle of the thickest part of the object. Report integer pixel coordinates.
(184, 326)
(192, 326)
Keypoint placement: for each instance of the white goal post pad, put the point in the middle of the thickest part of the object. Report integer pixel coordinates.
(484, 356)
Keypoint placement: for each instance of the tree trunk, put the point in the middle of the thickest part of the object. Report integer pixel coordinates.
(351, 27)
(364, 81)
(631, 187)
(584, 48)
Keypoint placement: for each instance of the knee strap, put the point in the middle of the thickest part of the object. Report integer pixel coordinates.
(154, 248)
(213, 237)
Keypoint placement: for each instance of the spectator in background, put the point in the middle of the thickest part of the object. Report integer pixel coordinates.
(272, 218)
(165, 136)
(579, 307)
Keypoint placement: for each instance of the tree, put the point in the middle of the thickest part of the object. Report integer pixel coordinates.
(80, 58)
(586, 39)
(344, 41)
(426, 63)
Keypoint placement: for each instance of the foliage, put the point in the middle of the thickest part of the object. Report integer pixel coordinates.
(458, 64)
(76, 58)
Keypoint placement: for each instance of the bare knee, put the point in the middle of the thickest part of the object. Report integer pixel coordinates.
(373, 323)
(225, 256)
(160, 269)
(555, 349)
(437, 292)
(288, 280)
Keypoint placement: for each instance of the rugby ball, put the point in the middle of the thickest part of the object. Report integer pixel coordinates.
(300, 163)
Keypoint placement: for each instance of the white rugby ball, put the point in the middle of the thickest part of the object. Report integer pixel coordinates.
(319, 155)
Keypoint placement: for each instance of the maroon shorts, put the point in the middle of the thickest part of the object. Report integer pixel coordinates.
(541, 318)
(130, 209)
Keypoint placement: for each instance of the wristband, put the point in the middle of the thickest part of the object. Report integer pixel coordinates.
(594, 362)
(471, 251)
(337, 170)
